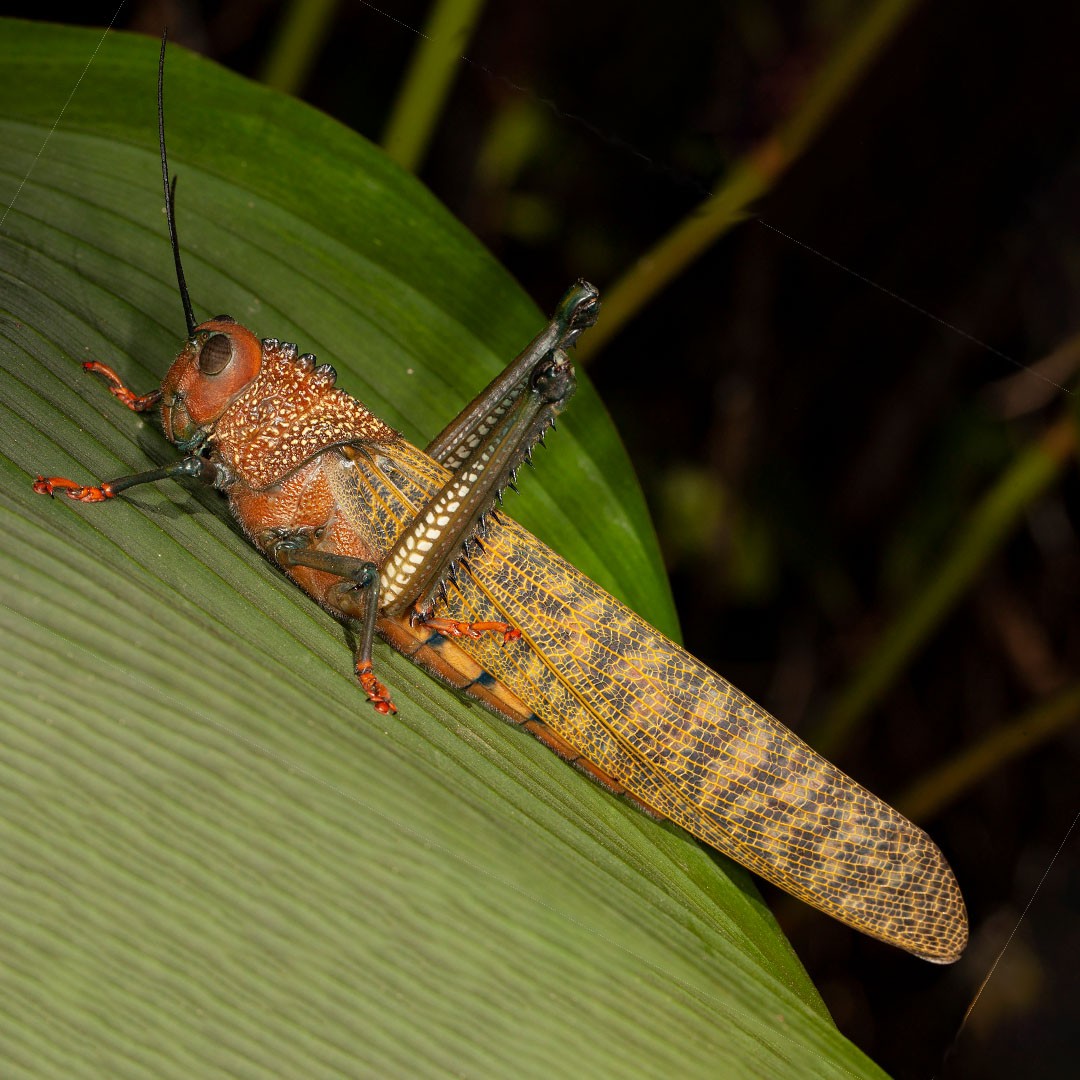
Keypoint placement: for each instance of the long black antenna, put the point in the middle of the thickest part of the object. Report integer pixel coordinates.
(170, 189)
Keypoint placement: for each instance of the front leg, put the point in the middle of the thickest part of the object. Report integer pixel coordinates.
(135, 402)
(195, 467)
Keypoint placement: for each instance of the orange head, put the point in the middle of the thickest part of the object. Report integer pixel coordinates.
(216, 364)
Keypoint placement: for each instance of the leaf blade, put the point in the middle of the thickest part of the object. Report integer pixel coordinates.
(193, 791)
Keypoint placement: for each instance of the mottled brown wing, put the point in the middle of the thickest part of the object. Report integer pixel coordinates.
(683, 740)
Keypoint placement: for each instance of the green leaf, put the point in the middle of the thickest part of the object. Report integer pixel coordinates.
(216, 858)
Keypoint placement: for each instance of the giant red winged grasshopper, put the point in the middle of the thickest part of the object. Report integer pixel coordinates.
(413, 545)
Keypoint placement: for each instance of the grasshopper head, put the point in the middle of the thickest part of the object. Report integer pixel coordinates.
(214, 367)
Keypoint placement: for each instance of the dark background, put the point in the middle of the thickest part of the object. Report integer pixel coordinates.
(810, 443)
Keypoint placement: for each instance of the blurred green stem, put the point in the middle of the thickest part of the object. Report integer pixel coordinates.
(751, 176)
(298, 42)
(1034, 726)
(1031, 472)
(424, 88)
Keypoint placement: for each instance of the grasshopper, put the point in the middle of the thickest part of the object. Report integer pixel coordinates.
(412, 545)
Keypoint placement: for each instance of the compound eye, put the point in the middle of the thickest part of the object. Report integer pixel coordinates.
(215, 354)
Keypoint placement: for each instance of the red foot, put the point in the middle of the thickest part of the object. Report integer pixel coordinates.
(377, 694)
(50, 485)
(454, 628)
(135, 402)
